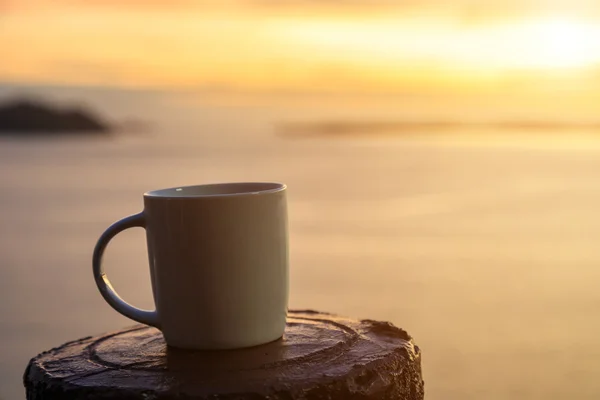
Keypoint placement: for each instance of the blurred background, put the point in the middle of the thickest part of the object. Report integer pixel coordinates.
(442, 158)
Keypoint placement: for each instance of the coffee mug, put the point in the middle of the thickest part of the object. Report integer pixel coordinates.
(218, 256)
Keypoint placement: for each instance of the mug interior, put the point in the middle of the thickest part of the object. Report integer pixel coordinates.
(218, 189)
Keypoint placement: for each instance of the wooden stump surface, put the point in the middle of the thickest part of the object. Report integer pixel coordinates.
(321, 356)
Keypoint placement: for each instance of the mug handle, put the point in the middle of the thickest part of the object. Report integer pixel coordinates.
(106, 289)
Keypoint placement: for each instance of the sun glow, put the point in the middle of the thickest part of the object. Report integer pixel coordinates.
(271, 51)
(542, 43)
(551, 43)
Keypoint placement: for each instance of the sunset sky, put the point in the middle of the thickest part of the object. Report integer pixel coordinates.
(347, 45)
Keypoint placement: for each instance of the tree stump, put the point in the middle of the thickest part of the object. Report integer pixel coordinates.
(321, 356)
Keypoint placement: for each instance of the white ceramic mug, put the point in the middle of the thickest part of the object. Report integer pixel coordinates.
(218, 258)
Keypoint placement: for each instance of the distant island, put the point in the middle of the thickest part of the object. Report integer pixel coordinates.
(368, 128)
(35, 117)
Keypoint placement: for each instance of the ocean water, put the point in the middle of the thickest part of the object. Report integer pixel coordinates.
(482, 245)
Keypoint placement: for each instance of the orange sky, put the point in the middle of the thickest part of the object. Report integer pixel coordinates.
(348, 45)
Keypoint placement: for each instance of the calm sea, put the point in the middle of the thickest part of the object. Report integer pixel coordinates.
(484, 245)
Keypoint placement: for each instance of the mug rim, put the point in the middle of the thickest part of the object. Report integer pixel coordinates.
(174, 192)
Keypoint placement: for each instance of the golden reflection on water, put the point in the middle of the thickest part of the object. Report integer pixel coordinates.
(482, 247)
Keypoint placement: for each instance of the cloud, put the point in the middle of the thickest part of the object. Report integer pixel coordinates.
(466, 11)
(490, 5)
(14, 6)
